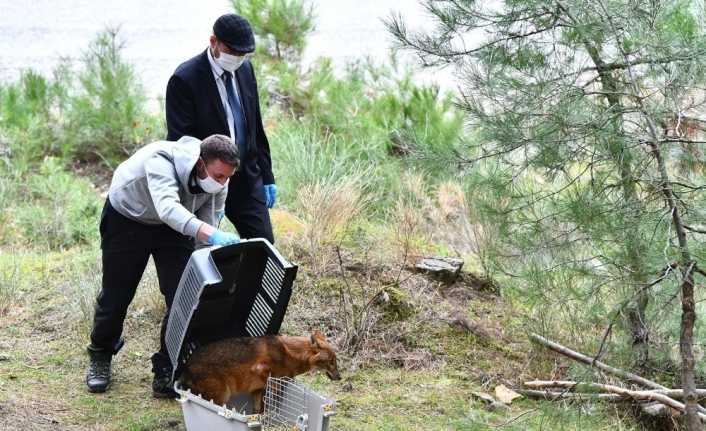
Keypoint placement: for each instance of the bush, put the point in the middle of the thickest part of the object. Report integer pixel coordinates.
(108, 117)
(98, 114)
(281, 25)
(50, 208)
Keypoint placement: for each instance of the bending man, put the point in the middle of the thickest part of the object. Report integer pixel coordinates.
(164, 201)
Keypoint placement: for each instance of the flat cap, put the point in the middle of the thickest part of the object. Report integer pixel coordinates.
(235, 32)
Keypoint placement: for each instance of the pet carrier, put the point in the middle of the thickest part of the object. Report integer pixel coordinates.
(237, 290)
(288, 406)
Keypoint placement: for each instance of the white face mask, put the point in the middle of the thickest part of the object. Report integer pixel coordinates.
(229, 62)
(209, 185)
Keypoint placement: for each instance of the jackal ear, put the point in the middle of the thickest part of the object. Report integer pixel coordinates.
(316, 338)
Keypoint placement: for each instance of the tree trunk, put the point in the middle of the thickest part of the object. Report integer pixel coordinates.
(686, 341)
(613, 89)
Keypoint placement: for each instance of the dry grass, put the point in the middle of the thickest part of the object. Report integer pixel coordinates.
(43, 366)
(328, 209)
(43, 371)
(407, 371)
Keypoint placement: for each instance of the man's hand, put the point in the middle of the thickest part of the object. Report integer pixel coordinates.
(218, 237)
(270, 195)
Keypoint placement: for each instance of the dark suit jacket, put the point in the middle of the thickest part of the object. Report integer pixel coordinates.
(194, 108)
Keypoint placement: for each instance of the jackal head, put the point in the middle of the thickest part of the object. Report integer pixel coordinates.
(324, 358)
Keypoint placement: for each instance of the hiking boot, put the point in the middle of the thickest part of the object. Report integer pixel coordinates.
(98, 377)
(161, 384)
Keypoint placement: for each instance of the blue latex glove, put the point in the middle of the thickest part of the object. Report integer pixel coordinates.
(223, 214)
(270, 195)
(218, 237)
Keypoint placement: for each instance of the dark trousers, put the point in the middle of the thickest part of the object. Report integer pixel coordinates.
(250, 216)
(126, 247)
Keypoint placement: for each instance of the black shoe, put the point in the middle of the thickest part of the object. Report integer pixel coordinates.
(98, 377)
(161, 384)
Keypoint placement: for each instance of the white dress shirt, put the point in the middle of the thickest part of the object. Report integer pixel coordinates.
(221, 84)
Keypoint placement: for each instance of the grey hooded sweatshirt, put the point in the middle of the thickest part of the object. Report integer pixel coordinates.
(152, 187)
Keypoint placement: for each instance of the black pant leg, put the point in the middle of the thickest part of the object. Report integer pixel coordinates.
(250, 216)
(170, 262)
(125, 253)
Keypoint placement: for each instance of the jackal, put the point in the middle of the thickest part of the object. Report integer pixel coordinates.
(234, 365)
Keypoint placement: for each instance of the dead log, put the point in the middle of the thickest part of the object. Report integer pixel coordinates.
(637, 395)
(676, 394)
(654, 413)
(558, 348)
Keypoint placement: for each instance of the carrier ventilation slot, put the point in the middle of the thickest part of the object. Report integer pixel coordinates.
(259, 317)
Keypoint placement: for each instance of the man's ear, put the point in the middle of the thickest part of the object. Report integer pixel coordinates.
(199, 167)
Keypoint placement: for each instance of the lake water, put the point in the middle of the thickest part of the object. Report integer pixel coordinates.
(160, 34)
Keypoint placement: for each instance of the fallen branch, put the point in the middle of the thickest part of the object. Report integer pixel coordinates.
(675, 394)
(638, 395)
(558, 348)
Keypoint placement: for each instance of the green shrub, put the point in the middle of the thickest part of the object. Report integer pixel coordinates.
(97, 114)
(28, 115)
(282, 26)
(108, 117)
(51, 208)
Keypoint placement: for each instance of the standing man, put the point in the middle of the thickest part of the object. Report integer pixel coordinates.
(216, 92)
(160, 199)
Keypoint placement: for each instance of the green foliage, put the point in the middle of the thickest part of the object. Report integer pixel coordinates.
(360, 118)
(108, 113)
(51, 208)
(376, 102)
(282, 26)
(99, 113)
(27, 118)
(586, 118)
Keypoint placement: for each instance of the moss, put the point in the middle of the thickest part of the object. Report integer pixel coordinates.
(395, 304)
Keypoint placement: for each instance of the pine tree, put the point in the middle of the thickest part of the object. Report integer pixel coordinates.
(585, 160)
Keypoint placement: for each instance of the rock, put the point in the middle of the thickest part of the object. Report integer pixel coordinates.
(461, 323)
(444, 269)
(496, 406)
(505, 395)
(482, 396)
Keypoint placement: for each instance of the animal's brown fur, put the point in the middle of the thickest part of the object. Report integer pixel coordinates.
(234, 365)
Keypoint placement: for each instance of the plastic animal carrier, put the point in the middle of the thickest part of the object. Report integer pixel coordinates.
(288, 407)
(202, 415)
(233, 291)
